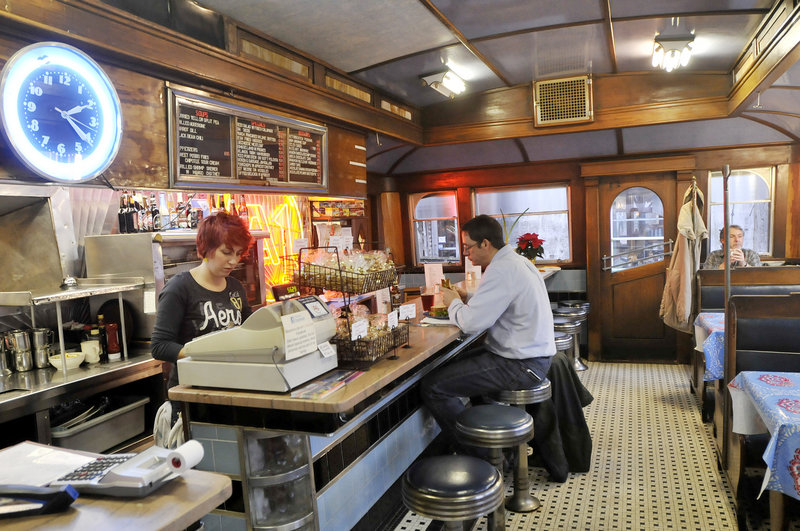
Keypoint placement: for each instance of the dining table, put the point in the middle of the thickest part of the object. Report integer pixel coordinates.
(770, 402)
(709, 334)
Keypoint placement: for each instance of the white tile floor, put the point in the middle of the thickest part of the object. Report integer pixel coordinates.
(653, 464)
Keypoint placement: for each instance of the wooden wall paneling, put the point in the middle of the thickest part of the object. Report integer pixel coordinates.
(347, 163)
(593, 281)
(143, 158)
(793, 212)
(464, 207)
(780, 219)
(392, 226)
(619, 101)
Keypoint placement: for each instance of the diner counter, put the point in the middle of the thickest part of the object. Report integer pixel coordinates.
(424, 342)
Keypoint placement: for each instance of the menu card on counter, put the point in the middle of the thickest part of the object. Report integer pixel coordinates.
(215, 141)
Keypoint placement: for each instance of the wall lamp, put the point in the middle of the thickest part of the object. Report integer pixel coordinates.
(446, 83)
(671, 52)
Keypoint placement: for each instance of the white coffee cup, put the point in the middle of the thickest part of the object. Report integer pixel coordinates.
(91, 350)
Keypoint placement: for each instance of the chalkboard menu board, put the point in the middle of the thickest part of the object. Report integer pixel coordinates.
(219, 143)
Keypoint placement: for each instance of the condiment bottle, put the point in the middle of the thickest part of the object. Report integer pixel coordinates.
(112, 339)
(101, 330)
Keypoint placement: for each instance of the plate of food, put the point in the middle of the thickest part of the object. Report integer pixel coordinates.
(438, 311)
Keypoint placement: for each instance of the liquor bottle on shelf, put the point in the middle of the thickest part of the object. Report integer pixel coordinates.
(148, 213)
(154, 212)
(222, 204)
(173, 214)
(123, 223)
(243, 213)
(232, 207)
(141, 216)
(213, 209)
(131, 215)
(183, 221)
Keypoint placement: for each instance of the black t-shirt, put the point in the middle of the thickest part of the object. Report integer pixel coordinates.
(187, 310)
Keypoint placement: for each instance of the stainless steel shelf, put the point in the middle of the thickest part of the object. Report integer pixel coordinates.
(87, 287)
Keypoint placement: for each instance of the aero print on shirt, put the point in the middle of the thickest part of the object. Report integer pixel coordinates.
(218, 316)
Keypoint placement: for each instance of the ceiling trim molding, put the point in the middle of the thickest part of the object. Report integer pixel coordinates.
(628, 167)
(609, 25)
(632, 116)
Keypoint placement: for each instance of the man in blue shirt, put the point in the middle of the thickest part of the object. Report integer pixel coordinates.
(512, 305)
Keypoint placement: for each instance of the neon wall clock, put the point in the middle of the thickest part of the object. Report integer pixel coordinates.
(60, 112)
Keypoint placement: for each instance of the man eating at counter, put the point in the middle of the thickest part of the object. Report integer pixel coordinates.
(512, 305)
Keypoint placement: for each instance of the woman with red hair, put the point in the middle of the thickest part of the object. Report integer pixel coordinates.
(206, 298)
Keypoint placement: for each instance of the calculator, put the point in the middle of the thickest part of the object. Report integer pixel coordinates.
(124, 475)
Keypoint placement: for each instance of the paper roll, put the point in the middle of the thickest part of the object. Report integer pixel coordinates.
(185, 456)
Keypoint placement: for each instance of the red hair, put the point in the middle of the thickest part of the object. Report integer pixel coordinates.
(220, 229)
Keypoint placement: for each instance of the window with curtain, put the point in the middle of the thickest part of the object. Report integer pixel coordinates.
(434, 221)
(750, 196)
(547, 215)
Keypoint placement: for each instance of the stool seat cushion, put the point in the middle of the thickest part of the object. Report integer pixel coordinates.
(493, 417)
(451, 475)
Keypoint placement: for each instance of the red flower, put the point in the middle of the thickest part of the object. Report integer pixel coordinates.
(529, 245)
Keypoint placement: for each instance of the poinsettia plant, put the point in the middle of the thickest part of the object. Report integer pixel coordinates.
(530, 246)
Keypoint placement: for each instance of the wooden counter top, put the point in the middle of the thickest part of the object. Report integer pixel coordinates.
(424, 342)
(175, 505)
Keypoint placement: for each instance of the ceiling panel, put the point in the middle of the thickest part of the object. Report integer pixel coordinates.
(461, 156)
(777, 99)
(637, 8)
(349, 34)
(402, 77)
(784, 122)
(550, 53)
(479, 18)
(571, 146)
(697, 135)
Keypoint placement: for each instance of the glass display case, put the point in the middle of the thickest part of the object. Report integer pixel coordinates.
(637, 229)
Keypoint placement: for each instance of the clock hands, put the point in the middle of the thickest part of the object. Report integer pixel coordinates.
(76, 109)
(74, 123)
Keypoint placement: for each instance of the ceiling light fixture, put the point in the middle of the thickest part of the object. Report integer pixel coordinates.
(446, 83)
(670, 53)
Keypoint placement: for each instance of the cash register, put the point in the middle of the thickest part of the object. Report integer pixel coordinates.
(254, 356)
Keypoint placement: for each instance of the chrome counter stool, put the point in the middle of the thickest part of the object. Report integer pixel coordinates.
(494, 427)
(452, 488)
(563, 342)
(576, 317)
(522, 501)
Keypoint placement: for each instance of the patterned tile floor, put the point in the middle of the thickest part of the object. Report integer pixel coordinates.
(653, 463)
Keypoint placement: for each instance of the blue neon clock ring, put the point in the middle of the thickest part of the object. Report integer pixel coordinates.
(60, 112)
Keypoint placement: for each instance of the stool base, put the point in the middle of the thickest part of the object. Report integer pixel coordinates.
(578, 364)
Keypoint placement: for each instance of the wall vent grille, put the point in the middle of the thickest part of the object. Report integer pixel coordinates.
(563, 101)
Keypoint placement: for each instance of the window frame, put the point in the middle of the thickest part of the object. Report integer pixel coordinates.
(713, 236)
(413, 201)
(512, 216)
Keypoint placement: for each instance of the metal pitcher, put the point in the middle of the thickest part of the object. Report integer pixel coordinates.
(23, 360)
(42, 337)
(19, 340)
(41, 356)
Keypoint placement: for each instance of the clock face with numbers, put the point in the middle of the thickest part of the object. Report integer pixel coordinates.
(60, 112)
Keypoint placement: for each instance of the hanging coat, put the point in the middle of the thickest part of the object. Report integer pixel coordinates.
(676, 302)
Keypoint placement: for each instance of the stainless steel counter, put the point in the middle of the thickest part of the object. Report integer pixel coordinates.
(34, 392)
